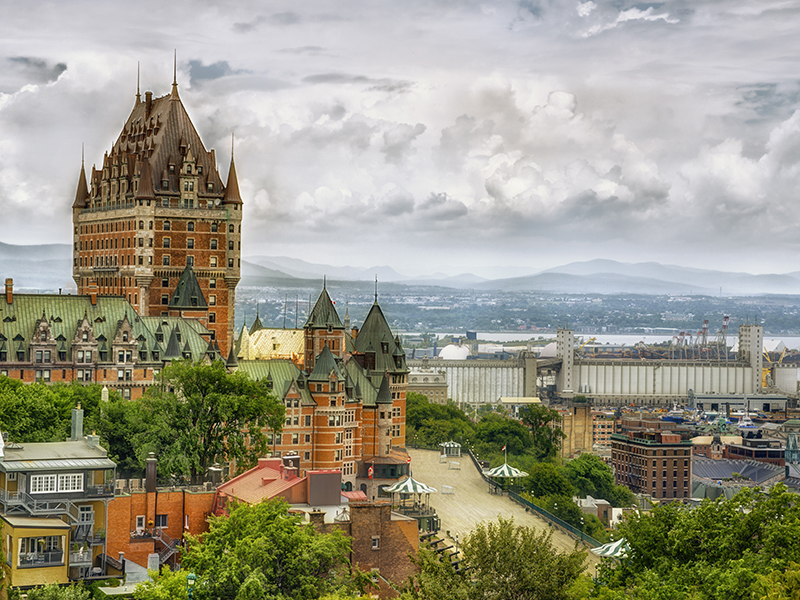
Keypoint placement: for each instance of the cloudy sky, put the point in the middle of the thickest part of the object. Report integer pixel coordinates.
(455, 136)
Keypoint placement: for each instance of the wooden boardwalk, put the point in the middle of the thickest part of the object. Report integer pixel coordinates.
(471, 502)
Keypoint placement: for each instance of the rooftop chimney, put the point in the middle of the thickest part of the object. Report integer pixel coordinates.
(150, 473)
(92, 289)
(148, 98)
(77, 424)
(93, 441)
(9, 290)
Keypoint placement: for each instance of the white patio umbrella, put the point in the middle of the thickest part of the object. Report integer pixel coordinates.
(506, 470)
(409, 486)
(618, 549)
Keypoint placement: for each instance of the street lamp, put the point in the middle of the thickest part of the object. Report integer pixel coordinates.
(191, 579)
(581, 529)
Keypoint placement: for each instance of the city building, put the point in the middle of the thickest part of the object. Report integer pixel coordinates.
(577, 425)
(603, 425)
(93, 339)
(156, 207)
(656, 463)
(429, 382)
(757, 449)
(344, 392)
(54, 498)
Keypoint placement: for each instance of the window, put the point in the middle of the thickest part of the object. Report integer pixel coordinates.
(70, 482)
(337, 455)
(140, 522)
(230, 263)
(308, 438)
(212, 300)
(43, 484)
(190, 243)
(307, 455)
(190, 261)
(38, 356)
(166, 242)
(212, 317)
(212, 283)
(213, 261)
(164, 299)
(230, 245)
(165, 260)
(190, 226)
(165, 282)
(376, 542)
(295, 438)
(308, 420)
(166, 225)
(161, 521)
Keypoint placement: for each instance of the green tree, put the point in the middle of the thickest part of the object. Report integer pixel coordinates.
(543, 423)
(57, 592)
(721, 550)
(592, 477)
(262, 551)
(494, 431)
(199, 414)
(166, 585)
(502, 561)
(546, 479)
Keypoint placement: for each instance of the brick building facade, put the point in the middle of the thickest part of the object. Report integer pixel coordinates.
(655, 463)
(155, 206)
(345, 397)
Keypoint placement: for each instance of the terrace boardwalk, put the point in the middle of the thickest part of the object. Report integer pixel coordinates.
(471, 503)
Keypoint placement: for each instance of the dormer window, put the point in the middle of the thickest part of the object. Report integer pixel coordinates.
(172, 169)
(385, 347)
(44, 336)
(188, 168)
(199, 169)
(210, 187)
(124, 336)
(85, 336)
(164, 184)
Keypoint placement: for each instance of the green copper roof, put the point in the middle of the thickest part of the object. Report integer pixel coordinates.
(324, 314)
(376, 336)
(188, 294)
(282, 372)
(384, 395)
(324, 365)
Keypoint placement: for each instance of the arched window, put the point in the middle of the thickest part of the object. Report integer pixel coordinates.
(230, 229)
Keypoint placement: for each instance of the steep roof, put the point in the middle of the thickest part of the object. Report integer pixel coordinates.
(256, 326)
(324, 314)
(324, 365)
(283, 374)
(188, 294)
(232, 195)
(82, 193)
(376, 336)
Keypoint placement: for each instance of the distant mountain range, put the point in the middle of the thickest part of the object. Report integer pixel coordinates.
(48, 268)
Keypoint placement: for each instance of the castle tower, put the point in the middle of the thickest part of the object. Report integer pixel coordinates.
(156, 206)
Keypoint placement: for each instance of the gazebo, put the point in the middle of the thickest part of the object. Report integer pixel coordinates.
(618, 549)
(418, 508)
(504, 471)
(451, 448)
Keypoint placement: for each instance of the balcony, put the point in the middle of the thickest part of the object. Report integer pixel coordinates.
(54, 558)
(80, 559)
(100, 491)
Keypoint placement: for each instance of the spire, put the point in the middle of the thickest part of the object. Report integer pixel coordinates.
(376, 288)
(175, 76)
(82, 193)
(145, 189)
(232, 188)
(138, 95)
(188, 294)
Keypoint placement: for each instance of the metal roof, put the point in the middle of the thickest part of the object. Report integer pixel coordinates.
(24, 466)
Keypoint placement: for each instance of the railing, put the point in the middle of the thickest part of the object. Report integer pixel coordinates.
(80, 558)
(42, 559)
(170, 544)
(548, 516)
(106, 489)
(10, 497)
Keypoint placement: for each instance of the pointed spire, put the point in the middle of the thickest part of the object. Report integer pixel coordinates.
(232, 195)
(82, 193)
(175, 76)
(376, 288)
(138, 95)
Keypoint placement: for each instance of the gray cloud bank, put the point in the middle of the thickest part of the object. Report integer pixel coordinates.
(439, 135)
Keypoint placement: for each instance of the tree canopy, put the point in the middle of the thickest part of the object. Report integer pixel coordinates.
(261, 552)
(500, 561)
(543, 424)
(745, 547)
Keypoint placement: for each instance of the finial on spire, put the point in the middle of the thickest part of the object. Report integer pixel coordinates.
(175, 76)
(138, 72)
(82, 155)
(376, 288)
(324, 281)
(231, 145)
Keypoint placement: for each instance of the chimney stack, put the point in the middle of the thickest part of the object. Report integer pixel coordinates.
(9, 290)
(77, 424)
(92, 289)
(150, 473)
(148, 98)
